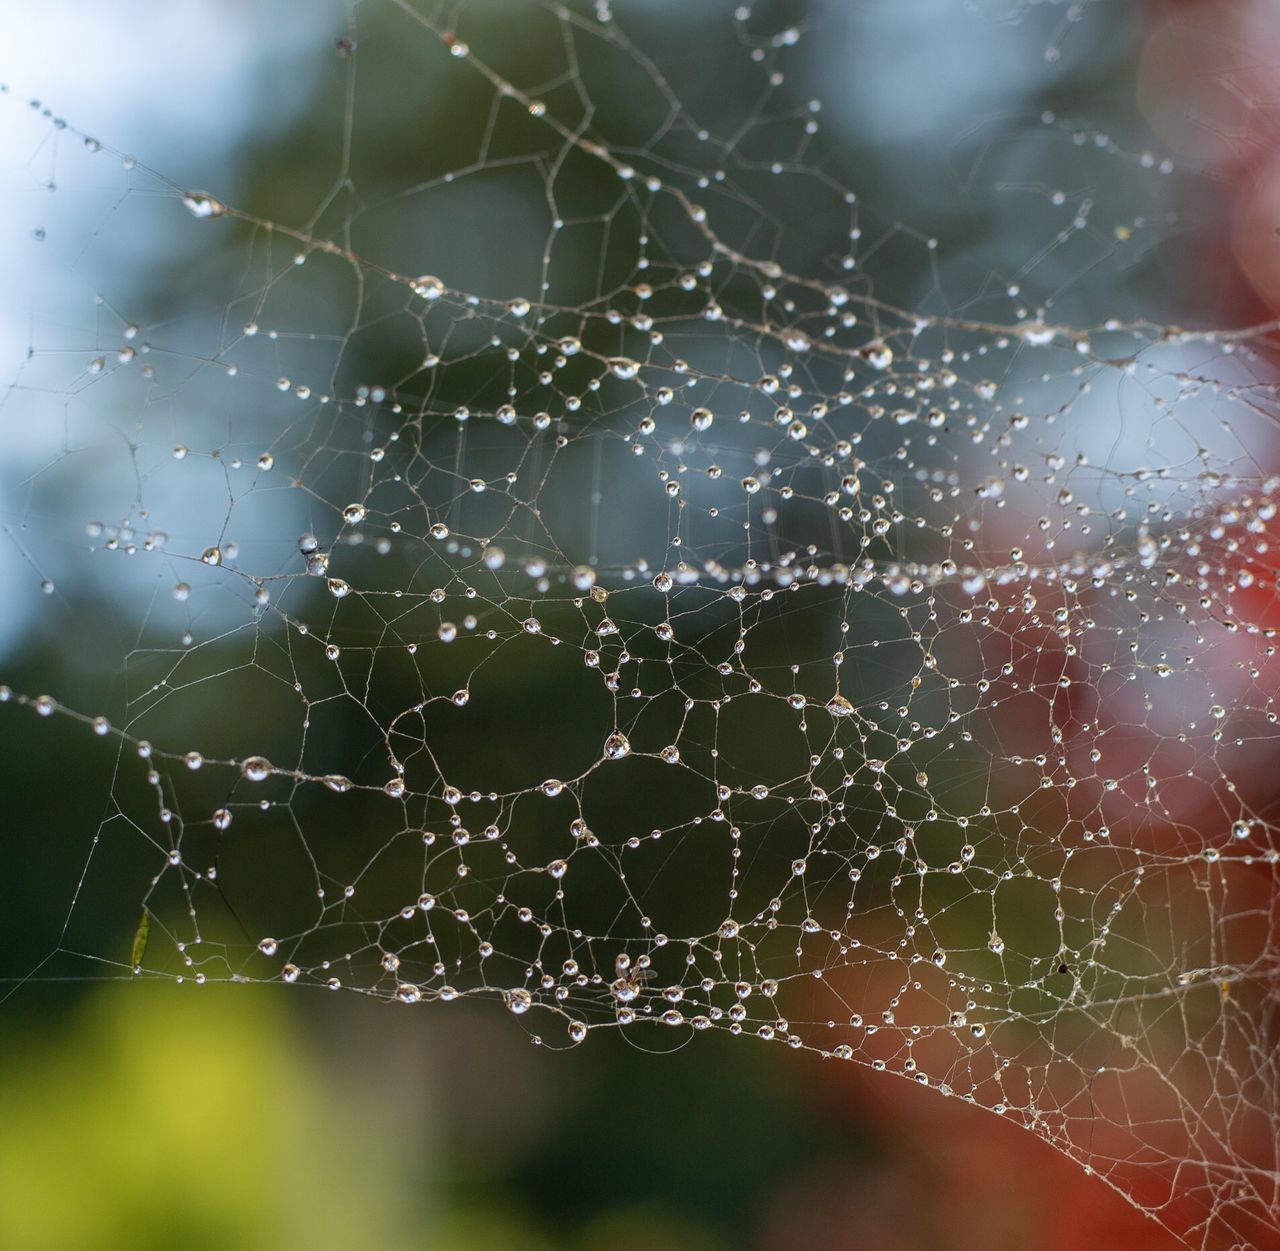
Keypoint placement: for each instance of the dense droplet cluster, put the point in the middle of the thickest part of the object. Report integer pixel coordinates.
(730, 650)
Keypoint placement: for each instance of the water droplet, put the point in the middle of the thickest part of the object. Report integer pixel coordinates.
(616, 746)
(838, 706)
(877, 355)
(1037, 334)
(202, 204)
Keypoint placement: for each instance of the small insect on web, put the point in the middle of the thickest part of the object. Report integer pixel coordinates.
(622, 554)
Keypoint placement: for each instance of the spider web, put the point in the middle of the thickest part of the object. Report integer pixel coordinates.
(588, 559)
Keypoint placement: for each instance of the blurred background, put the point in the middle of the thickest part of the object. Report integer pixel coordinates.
(154, 1114)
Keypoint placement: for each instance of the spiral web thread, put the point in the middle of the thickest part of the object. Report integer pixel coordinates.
(693, 639)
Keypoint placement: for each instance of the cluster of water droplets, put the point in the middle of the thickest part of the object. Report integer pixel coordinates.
(732, 650)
